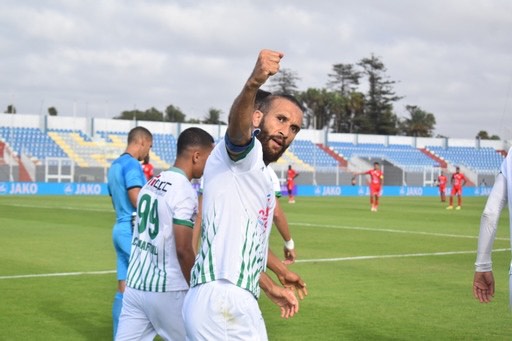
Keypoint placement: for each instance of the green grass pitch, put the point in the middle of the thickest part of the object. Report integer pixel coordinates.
(403, 273)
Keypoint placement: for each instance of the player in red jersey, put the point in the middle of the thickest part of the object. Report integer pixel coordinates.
(376, 180)
(147, 168)
(458, 181)
(441, 183)
(290, 183)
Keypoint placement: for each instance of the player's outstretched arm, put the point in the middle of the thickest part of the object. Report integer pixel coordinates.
(282, 297)
(240, 122)
(288, 278)
(483, 286)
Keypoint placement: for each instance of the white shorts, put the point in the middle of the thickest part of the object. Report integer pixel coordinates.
(220, 310)
(146, 314)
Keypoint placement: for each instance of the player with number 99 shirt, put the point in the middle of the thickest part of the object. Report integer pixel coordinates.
(162, 255)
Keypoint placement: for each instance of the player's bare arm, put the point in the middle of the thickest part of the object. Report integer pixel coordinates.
(133, 194)
(196, 233)
(184, 250)
(284, 230)
(288, 278)
(283, 297)
(240, 122)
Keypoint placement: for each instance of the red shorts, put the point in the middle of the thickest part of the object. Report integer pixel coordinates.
(456, 190)
(442, 189)
(375, 189)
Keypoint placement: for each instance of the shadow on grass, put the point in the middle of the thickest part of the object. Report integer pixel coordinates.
(91, 325)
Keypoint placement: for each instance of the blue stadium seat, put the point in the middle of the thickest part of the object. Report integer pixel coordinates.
(484, 159)
(403, 156)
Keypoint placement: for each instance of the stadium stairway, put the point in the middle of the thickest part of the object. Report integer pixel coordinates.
(342, 162)
(437, 159)
(24, 175)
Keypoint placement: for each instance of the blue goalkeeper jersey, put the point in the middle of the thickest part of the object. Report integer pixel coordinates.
(124, 174)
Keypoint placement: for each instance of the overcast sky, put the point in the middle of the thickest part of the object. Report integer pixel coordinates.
(452, 58)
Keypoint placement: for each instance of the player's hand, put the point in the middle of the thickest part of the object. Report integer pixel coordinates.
(266, 66)
(483, 286)
(292, 281)
(285, 299)
(289, 256)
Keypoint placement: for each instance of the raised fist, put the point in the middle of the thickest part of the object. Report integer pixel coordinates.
(266, 66)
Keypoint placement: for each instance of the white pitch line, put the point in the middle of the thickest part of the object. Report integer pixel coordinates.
(60, 274)
(297, 261)
(91, 209)
(391, 256)
(359, 228)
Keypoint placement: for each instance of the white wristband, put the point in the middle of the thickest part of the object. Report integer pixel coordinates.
(290, 245)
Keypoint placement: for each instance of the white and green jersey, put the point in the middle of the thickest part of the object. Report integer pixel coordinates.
(166, 199)
(275, 182)
(238, 206)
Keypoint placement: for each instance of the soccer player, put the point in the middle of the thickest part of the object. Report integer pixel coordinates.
(501, 193)
(441, 183)
(125, 179)
(376, 180)
(147, 168)
(162, 255)
(238, 205)
(290, 183)
(458, 181)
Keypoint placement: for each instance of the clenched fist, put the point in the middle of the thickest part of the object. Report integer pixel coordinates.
(266, 66)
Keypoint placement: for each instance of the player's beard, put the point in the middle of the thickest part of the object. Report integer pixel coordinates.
(269, 154)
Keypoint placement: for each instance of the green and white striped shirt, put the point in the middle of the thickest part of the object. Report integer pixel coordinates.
(238, 206)
(166, 199)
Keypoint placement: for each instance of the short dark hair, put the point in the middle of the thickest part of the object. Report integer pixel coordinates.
(193, 137)
(139, 132)
(376, 163)
(264, 100)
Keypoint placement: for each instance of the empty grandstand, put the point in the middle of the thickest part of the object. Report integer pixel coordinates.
(27, 142)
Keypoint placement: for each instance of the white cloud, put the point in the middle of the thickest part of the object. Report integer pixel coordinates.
(449, 57)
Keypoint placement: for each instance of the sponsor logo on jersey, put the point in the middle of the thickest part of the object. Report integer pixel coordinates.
(145, 246)
(158, 184)
(263, 214)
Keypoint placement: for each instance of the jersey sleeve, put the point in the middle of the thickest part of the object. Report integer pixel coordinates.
(185, 209)
(489, 223)
(134, 176)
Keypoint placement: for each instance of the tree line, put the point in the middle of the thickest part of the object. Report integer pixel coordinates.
(341, 106)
